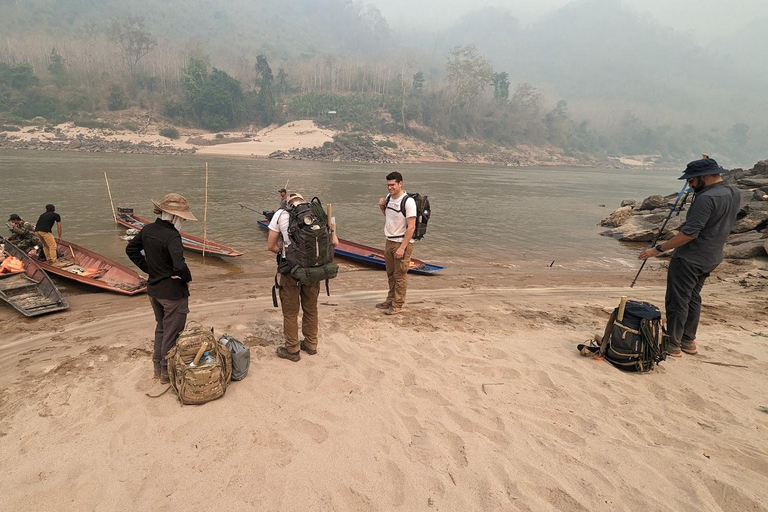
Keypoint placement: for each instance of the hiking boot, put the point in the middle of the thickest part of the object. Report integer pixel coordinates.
(689, 347)
(384, 305)
(164, 378)
(393, 311)
(59, 264)
(307, 349)
(283, 352)
(674, 351)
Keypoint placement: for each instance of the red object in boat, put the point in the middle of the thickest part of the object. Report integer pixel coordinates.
(93, 269)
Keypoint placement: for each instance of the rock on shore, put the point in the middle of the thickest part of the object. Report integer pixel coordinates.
(634, 222)
(56, 140)
(353, 151)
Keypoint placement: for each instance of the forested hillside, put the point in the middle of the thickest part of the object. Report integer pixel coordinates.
(594, 77)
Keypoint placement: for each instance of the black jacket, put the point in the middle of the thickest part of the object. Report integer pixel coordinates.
(163, 258)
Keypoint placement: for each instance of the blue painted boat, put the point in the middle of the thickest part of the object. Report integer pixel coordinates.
(368, 255)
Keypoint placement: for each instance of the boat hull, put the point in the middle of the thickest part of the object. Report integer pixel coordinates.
(111, 276)
(30, 292)
(190, 242)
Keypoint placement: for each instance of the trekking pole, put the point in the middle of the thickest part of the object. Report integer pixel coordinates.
(661, 229)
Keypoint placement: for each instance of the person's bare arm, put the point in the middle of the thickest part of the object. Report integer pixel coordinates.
(674, 242)
(272, 241)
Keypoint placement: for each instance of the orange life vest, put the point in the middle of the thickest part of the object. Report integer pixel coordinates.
(10, 265)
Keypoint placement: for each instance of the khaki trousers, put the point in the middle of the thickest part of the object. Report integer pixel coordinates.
(397, 272)
(293, 295)
(49, 245)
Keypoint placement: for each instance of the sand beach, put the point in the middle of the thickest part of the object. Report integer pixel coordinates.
(475, 400)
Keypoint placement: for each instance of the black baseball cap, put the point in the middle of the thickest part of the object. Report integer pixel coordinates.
(14, 216)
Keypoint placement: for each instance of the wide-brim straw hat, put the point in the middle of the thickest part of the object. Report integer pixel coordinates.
(175, 204)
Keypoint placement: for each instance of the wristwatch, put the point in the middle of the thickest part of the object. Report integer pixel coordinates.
(658, 248)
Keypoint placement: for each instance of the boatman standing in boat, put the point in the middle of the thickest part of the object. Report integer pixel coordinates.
(168, 287)
(44, 228)
(698, 250)
(283, 194)
(22, 233)
(400, 222)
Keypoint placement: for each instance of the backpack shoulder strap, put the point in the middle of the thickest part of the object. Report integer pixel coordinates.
(607, 334)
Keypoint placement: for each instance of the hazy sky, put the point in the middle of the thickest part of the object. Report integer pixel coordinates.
(701, 17)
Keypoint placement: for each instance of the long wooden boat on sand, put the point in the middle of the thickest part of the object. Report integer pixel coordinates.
(193, 243)
(90, 268)
(30, 291)
(366, 254)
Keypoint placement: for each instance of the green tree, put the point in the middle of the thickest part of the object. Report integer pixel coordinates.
(21, 76)
(57, 68)
(468, 74)
(501, 86)
(418, 81)
(265, 104)
(117, 98)
(282, 81)
(133, 40)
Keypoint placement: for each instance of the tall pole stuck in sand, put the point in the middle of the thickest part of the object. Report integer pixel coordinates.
(205, 213)
(114, 215)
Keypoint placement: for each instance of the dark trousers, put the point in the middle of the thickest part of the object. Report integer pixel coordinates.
(683, 299)
(171, 317)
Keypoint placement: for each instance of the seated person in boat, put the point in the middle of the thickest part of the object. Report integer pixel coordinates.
(22, 233)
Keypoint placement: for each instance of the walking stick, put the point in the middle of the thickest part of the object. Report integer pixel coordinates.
(661, 229)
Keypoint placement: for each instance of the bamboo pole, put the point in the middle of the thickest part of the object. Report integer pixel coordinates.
(114, 215)
(205, 213)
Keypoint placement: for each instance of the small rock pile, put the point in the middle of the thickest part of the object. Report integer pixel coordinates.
(634, 222)
(338, 152)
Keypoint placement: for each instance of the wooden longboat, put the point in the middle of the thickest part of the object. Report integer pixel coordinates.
(191, 242)
(30, 292)
(368, 255)
(93, 269)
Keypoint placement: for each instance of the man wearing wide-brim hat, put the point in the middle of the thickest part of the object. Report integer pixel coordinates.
(698, 250)
(163, 260)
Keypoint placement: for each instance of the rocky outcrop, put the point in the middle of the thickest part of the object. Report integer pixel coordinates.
(349, 151)
(632, 223)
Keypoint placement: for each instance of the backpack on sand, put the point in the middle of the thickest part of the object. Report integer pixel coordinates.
(423, 212)
(203, 382)
(634, 338)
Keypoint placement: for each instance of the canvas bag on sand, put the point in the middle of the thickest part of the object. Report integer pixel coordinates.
(241, 356)
(204, 382)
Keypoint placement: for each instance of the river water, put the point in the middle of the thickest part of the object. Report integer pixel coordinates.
(482, 215)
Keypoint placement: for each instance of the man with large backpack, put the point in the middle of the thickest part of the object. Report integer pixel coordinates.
(399, 210)
(698, 250)
(304, 241)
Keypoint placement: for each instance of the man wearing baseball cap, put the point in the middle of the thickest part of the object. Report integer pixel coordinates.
(698, 250)
(168, 287)
(283, 194)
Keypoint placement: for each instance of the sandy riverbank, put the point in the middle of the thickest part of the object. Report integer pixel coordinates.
(294, 139)
(474, 400)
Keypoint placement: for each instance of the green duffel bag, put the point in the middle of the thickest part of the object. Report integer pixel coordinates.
(314, 275)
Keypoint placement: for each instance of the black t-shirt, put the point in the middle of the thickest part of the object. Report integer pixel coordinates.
(46, 221)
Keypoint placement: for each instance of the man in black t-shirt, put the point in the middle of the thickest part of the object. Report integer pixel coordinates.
(44, 228)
